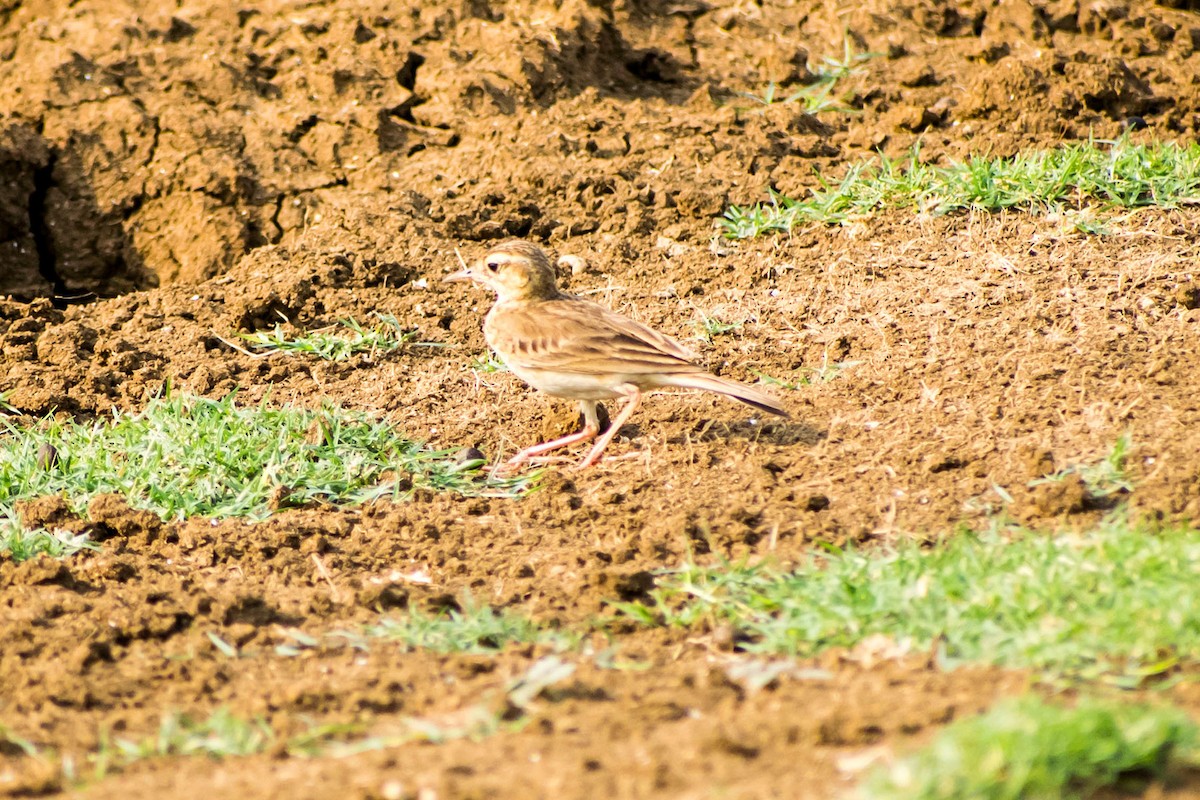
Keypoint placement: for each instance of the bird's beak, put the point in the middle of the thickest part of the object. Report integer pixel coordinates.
(464, 274)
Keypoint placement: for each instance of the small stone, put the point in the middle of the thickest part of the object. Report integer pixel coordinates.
(919, 75)
(179, 30)
(1188, 295)
(469, 458)
(1162, 31)
(576, 265)
(363, 34)
(817, 502)
(47, 457)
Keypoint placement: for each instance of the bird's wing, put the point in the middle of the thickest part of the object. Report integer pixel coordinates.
(569, 334)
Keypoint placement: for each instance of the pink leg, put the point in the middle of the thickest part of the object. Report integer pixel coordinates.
(635, 400)
(588, 433)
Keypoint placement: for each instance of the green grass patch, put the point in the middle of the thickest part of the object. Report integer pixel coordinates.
(1117, 603)
(1117, 174)
(473, 629)
(188, 456)
(817, 97)
(807, 376)
(22, 544)
(500, 711)
(220, 735)
(709, 327)
(224, 734)
(337, 343)
(488, 365)
(1104, 478)
(1027, 748)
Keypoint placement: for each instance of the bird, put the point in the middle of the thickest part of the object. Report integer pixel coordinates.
(573, 348)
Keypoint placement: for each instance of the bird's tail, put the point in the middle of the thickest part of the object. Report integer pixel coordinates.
(738, 391)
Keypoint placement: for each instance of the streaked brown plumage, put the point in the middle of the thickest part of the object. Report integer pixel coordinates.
(573, 348)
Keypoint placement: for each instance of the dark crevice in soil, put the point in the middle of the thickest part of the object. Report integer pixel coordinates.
(39, 227)
(134, 206)
(302, 128)
(285, 196)
(153, 140)
(406, 76)
(8, 12)
(275, 218)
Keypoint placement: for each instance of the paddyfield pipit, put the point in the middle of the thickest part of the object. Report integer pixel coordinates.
(573, 348)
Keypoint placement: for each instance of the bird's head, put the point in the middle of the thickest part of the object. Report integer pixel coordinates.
(514, 270)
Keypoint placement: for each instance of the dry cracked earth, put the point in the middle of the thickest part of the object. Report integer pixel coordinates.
(172, 175)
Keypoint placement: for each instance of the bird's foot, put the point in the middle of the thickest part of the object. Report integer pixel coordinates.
(591, 458)
(512, 466)
(544, 460)
(535, 454)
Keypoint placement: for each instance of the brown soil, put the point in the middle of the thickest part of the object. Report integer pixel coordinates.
(170, 176)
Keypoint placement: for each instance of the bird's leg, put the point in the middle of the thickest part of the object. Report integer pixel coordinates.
(635, 399)
(591, 426)
(554, 444)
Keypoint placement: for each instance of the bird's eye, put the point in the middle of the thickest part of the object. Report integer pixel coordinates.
(493, 266)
